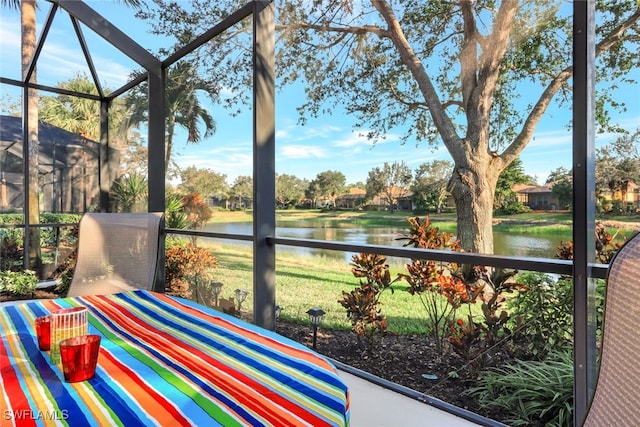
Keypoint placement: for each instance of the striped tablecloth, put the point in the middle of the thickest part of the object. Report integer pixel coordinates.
(166, 361)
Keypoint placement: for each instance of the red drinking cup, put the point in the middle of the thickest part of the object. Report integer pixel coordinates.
(79, 357)
(43, 332)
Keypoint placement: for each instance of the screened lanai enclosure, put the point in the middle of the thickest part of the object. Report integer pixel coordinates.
(138, 142)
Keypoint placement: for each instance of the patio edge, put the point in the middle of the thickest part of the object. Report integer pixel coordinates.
(416, 395)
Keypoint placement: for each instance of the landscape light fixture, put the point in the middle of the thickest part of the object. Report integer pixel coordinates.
(241, 295)
(278, 310)
(216, 288)
(315, 318)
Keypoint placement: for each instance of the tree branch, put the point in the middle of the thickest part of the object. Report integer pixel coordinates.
(371, 29)
(440, 119)
(618, 33)
(522, 139)
(469, 52)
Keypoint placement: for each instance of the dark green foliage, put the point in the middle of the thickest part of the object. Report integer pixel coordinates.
(515, 208)
(18, 283)
(53, 239)
(535, 393)
(506, 200)
(563, 191)
(541, 317)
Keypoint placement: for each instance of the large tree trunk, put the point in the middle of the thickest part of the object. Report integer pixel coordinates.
(28, 24)
(472, 186)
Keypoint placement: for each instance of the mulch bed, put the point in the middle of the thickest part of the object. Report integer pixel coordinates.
(408, 360)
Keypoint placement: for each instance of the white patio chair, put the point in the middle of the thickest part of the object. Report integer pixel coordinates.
(116, 252)
(616, 401)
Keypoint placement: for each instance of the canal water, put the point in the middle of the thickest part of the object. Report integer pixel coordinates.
(522, 245)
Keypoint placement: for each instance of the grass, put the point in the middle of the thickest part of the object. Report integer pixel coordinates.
(303, 282)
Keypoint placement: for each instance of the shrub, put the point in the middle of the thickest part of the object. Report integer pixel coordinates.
(438, 285)
(606, 247)
(534, 393)
(515, 208)
(459, 285)
(18, 283)
(187, 265)
(542, 317)
(363, 303)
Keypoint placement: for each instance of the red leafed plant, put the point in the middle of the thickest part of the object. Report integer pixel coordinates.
(184, 265)
(363, 303)
(445, 287)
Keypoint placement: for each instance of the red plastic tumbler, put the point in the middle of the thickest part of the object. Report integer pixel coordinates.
(43, 332)
(79, 357)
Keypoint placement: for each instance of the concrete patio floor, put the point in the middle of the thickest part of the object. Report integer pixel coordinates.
(375, 406)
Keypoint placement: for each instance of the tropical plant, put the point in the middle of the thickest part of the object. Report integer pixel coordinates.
(363, 303)
(186, 266)
(196, 209)
(82, 115)
(182, 105)
(18, 283)
(433, 281)
(175, 216)
(128, 191)
(542, 317)
(445, 287)
(534, 393)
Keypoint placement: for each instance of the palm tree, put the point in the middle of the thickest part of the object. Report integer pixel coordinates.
(182, 106)
(129, 191)
(28, 37)
(82, 115)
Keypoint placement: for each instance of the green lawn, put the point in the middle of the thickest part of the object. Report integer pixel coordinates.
(303, 282)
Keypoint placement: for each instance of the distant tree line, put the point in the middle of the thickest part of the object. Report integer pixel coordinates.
(617, 167)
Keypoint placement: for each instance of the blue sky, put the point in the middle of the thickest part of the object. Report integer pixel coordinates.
(326, 143)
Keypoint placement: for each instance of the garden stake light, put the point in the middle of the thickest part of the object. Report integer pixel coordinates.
(241, 295)
(315, 317)
(216, 288)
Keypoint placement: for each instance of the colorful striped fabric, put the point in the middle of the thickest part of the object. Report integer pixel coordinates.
(166, 361)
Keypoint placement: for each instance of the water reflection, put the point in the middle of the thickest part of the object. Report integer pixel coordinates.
(538, 245)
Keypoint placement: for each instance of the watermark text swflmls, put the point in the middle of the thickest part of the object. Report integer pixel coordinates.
(29, 414)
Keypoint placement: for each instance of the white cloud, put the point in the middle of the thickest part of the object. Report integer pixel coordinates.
(281, 134)
(10, 33)
(227, 162)
(303, 151)
(354, 139)
(360, 139)
(291, 132)
(552, 138)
